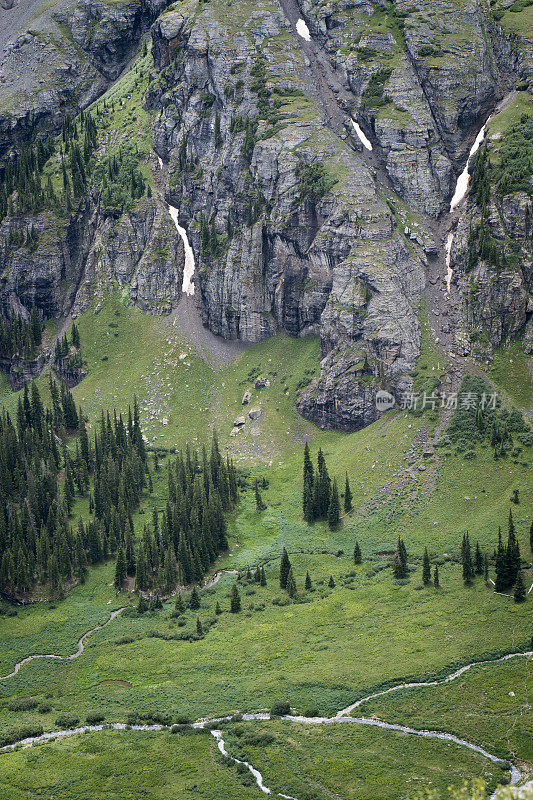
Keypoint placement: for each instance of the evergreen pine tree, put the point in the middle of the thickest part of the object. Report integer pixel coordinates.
(179, 605)
(400, 570)
(331, 582)
(357, 557)
(257, 575)
(334, 506)
(235, 600)
(284, 569)
(308, 582)
(466, 560)
(478, 561)
(259, 504)
(120, 569)
(142, 606)
(436, 582)
(519, 589)
(194, 600)
(347, 496)
(426, 568)
(263, 577)
(308, 500)
(199, 627)
(291, 584)
(218, 610)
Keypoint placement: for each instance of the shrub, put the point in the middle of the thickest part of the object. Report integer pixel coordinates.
(94, 718)
(67, 721)
(12, 735)
(280, 708)
(44, 708)
(22, 704)
(314, 181)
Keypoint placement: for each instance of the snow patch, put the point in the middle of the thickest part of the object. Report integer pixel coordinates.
(188, 270)
(449, 270)
(464, 178)
(364, 139)
(302, 30)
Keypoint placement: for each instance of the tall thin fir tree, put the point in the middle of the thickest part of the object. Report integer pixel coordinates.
(347, 496)
(466, 560)
(334, 506)
(120, 569)
(519, 589)
(284, 568)
(291, 584)
(357, 557)
(235, 600)
(436, 579)
(426, 568)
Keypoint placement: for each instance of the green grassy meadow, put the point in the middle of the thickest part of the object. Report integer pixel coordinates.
(331, 646)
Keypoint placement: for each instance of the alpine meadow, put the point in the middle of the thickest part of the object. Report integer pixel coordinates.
(266, 399)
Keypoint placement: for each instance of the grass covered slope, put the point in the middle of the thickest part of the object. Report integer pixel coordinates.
(119, 766)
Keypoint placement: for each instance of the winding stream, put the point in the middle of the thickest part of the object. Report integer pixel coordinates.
(72, 656)
(342, 716)
(421, 684)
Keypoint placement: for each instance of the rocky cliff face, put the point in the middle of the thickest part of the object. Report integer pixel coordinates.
(269, 256)
(58, 57)
(82, 255)
(295, 224)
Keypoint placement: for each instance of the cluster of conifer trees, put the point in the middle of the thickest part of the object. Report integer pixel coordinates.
(21, 338)
(21, 186)
(180, 544)
(62, 347)
(321, 495)
(39, 479)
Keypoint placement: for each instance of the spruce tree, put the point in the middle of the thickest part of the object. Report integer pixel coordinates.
(141, 605)
(218, 610)
(486, 568)
(194, 600)
(334, 506)
(426, 568)
(259, 504)
(307, 500)
(436, 582)
(179, 605)
(284, 569)
(291, 584)
(263, 577)
(199, 627)
(347, 496)
(331, 582)
(519, 589)
(235, 600)
(257, 575)
(120, 569)
(501, 581)
(478, 561)
(308, 582)
(357, 558)
(466, 560)
(400, 570)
